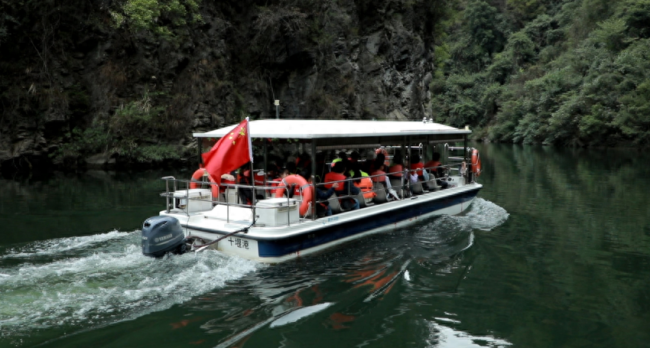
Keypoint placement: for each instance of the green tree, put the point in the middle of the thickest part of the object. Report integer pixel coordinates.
(160, 17)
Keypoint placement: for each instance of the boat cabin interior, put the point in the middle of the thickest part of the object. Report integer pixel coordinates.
(304, 170)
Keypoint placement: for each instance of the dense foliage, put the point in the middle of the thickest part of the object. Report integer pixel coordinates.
(131, 79)
(558, 72)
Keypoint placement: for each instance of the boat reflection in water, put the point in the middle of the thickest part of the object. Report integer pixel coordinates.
(443, 336)
(341, 290)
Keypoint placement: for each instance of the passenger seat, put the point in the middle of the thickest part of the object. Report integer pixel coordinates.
(334, 204)
(380, 190)
(417, 188)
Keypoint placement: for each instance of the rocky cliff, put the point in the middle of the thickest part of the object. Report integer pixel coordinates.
(77, 88)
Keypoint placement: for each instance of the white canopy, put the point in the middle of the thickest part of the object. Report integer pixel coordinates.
(325, 129)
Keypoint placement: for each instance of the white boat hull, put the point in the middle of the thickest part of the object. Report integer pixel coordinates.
(284, 243)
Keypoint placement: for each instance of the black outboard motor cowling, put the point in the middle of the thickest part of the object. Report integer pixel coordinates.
(161, 235)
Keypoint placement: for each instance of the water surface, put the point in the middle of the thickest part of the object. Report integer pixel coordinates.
(554, 252)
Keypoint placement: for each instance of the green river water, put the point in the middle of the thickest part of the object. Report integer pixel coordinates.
(554, 252)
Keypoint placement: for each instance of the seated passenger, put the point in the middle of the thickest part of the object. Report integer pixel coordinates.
(244, 178)
(365, 185)
(322, 205)
(291, 167)
(273, 178)
(303, 164)
(291, 191)
(380, 159)
(383, 154)
(379, 164)
(321, 167)
(435, 167)
(342, 157)
(344, 189)
(417, 169)
(396, 170)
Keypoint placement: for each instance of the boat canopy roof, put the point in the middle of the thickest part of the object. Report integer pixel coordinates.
(350, 132)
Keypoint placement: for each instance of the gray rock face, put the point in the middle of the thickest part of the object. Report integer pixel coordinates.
(321, 59)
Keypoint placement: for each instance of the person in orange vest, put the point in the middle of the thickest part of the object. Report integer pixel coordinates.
(395, 171)
(344, 189)
(365, 185)
(379, 165)
(417, 168)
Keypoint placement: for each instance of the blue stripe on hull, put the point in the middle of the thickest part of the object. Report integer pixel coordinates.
(277, 248)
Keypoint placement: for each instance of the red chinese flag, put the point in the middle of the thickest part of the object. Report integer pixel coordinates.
(230, 152)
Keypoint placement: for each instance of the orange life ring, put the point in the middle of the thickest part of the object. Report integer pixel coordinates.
(476, 163)
(198, 174)
(300, 182)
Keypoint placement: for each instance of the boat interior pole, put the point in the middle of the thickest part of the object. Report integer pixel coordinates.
(468, 170)
(199, 147)
(403, 154)
(265, 164)
(254, 192)
(409, 153)
(313, 179)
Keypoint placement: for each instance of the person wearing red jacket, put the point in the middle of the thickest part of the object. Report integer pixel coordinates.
(345, 188)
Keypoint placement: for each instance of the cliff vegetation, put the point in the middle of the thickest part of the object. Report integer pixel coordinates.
(127, 81)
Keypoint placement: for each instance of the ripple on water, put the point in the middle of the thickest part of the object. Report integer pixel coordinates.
(100, 283)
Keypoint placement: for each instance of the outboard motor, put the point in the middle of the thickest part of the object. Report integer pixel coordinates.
(161, 235)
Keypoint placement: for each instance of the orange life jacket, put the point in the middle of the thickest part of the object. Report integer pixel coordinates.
(259, 179)
(332, 176)
(417, 167)
(365, 185)
(275, 182)
(396, 168)
(379, 178)
(431, 165)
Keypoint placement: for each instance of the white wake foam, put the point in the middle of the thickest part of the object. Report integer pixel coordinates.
(483, 215)
(104, 284)
(61, 245)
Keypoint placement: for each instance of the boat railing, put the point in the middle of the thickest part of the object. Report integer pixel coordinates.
(213, 185)
(277, 184)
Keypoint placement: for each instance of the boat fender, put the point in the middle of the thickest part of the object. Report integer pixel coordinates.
(476, 162)
(162, 235)
(198, 175)
(300, 182)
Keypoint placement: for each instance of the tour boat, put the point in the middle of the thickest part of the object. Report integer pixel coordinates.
(274, 228)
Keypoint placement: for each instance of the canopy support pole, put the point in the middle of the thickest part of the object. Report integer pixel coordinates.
(199, 147)
(468, 170)
(409, 154)
(313, 180)
(265, 165)
(254, 191)
(403, 153)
